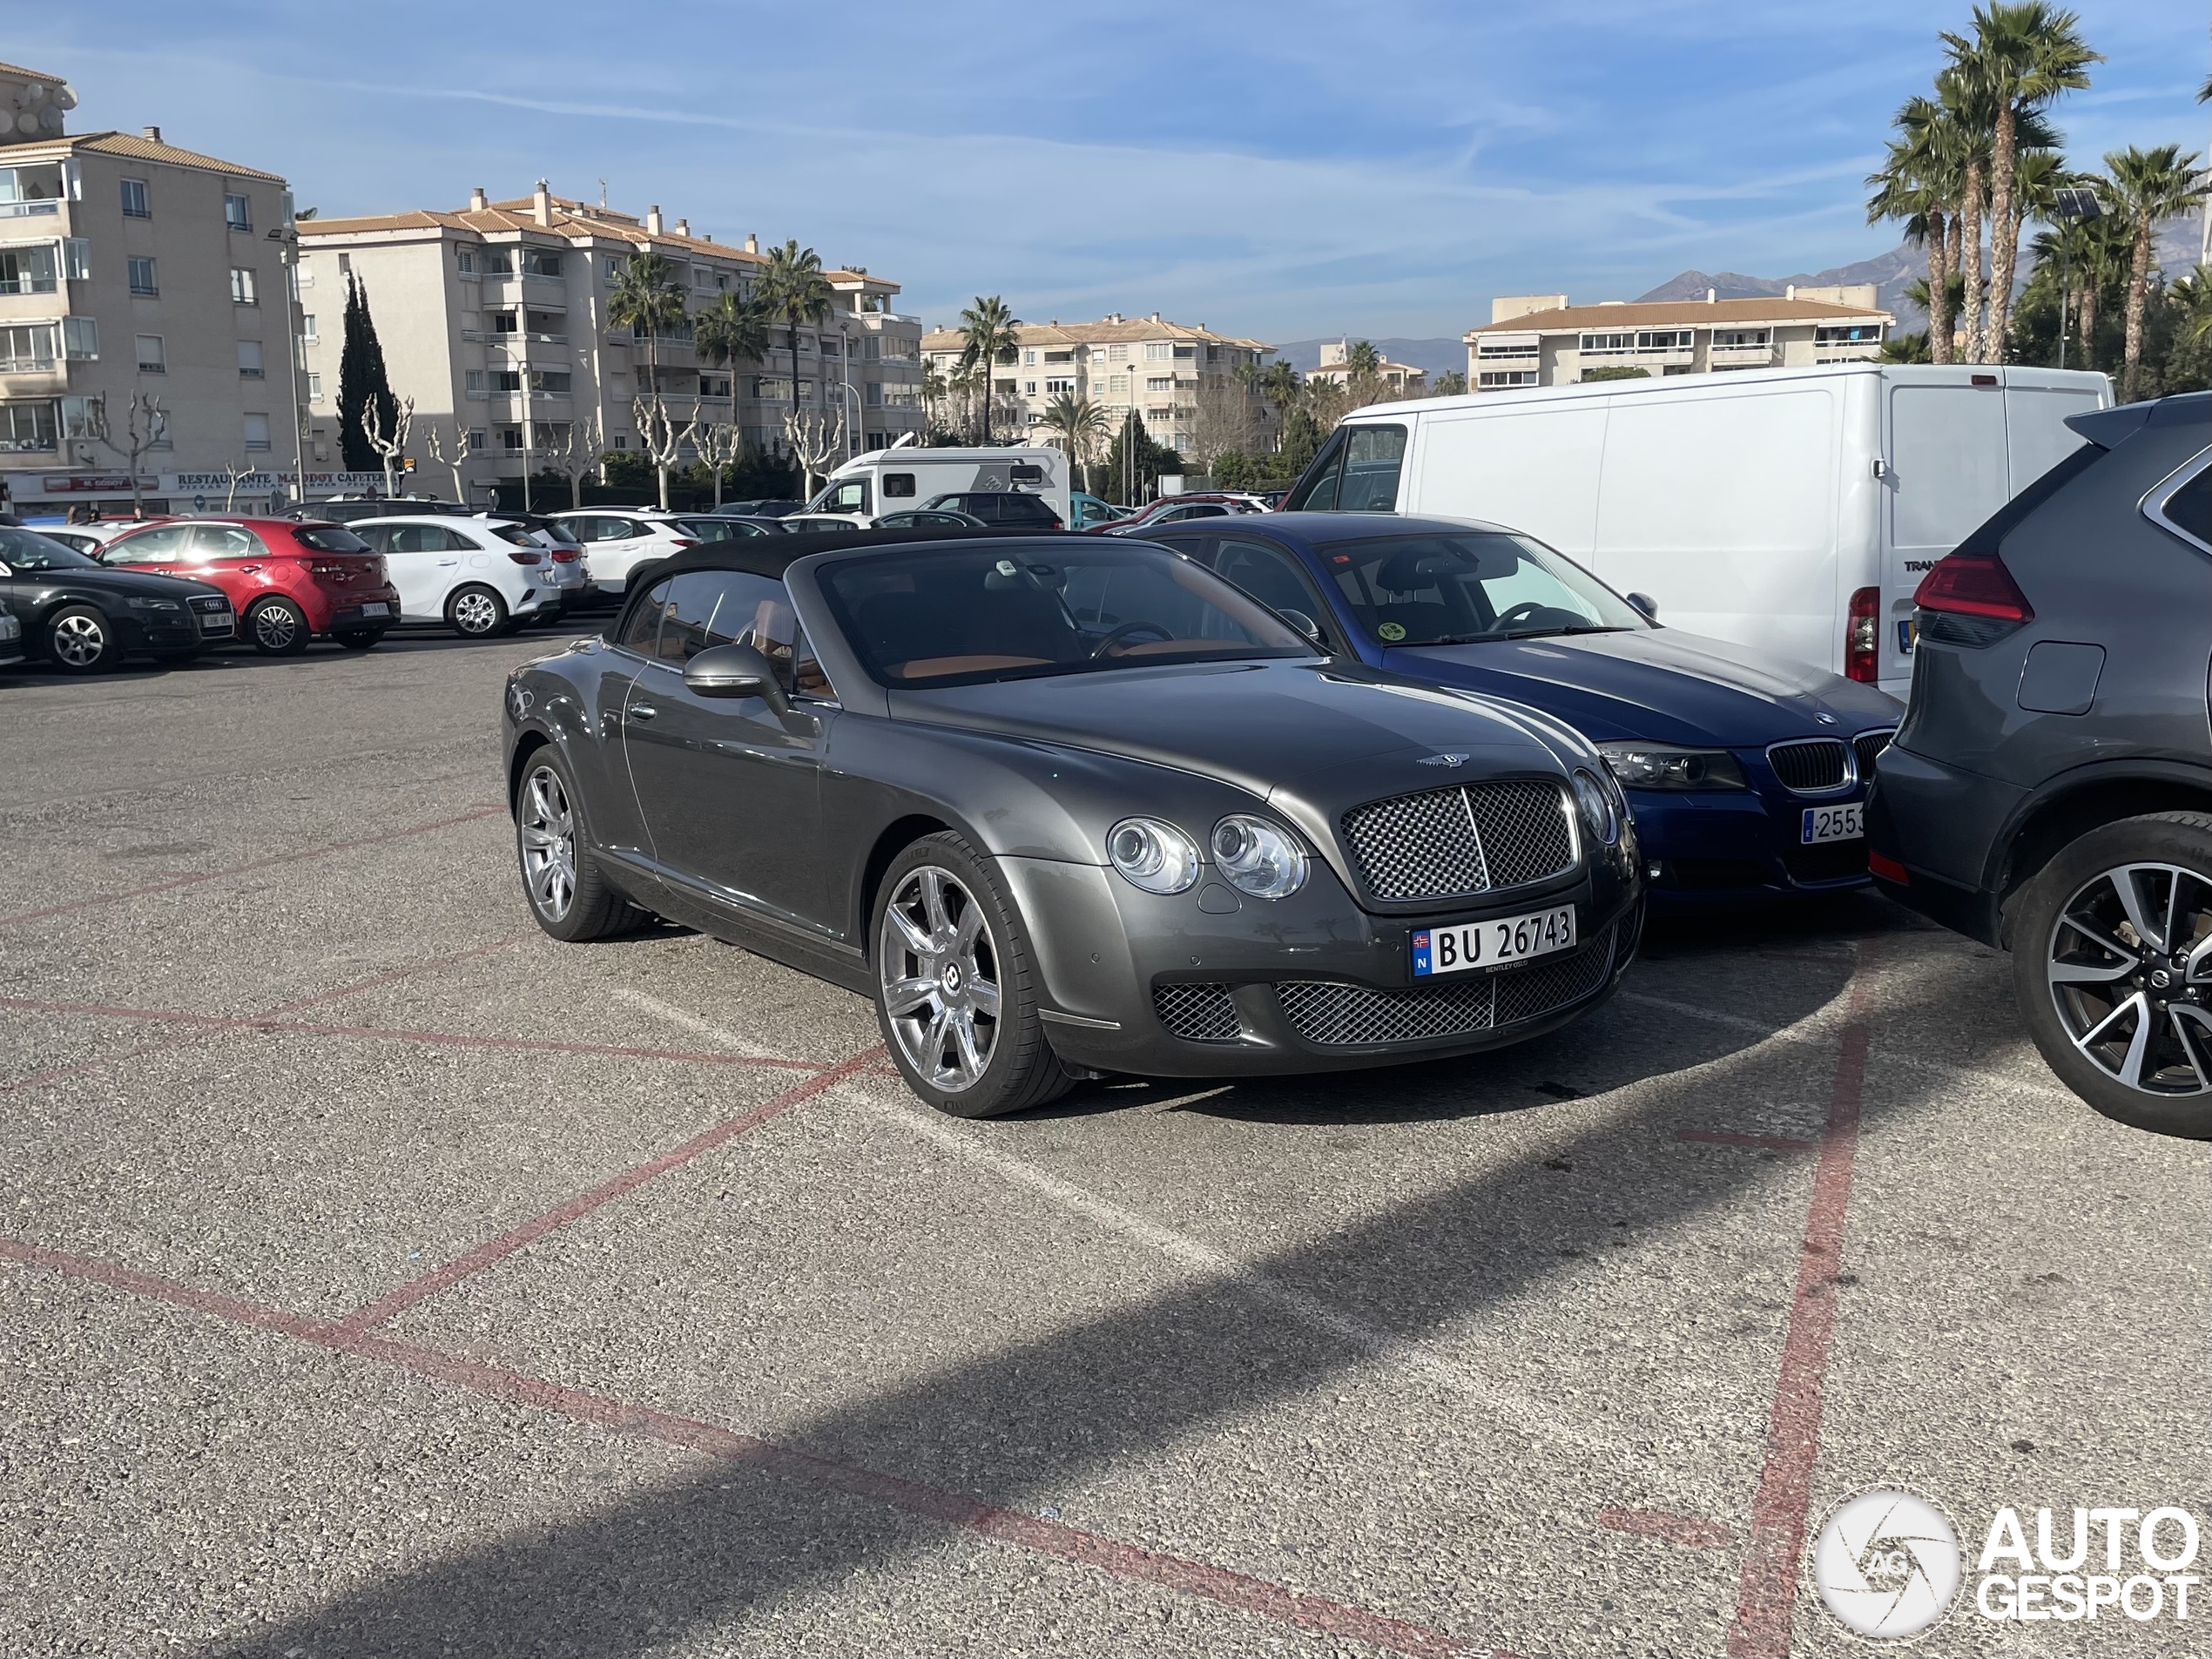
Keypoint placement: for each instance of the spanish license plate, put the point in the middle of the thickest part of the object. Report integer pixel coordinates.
(1908, 635)
(376, 608)
(216, 623)
(1493, 944)
(1834, 824)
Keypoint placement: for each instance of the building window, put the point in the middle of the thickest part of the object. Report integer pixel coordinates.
(1724, 339)
(249, 359)
(1489, 378)
(875, 394)
(1003, 386)
(1158, 351)
(465, 261)
(510, 440)
(541, 262)
(28, 426)
(1856, 333)
(307, 328)
(713, 385)
(1492, 351)
(1028, 388)
(238, 212)
(1028, 360)
(257, 431)
(550, 382)
(142, 279)
(134, 199)
(1051, 357)
(245, 289)
(151, 359)
(27, 348)
(1117, 386)
(314, 388)
(1663, 339)
(1053, 389)
(1118, 353)
(872, 349)
(1601, 345)
(478, 438)
(1186, 351)
(498, 262)
(80, 339)
(1160, 383)
(27, 270)
(77, 258)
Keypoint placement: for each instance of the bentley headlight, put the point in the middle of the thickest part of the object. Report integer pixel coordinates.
(1257, 858)
(1653, 765)
(1596, 804)
(1155, 856)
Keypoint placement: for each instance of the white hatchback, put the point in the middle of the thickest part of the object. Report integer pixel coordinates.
(617, 540)
(477, 575)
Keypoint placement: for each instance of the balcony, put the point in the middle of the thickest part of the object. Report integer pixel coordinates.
(1744, 356)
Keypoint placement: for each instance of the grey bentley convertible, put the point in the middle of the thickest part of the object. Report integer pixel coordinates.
(1065, 805)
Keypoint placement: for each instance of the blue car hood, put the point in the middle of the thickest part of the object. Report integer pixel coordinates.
(1657, 684)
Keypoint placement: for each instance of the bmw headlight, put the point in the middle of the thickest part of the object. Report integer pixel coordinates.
(1596, 804)
(1153, 855)
(138, 601)
(1653, 765)
(1257, 858)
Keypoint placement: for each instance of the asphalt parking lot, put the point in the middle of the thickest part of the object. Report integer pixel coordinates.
(378, 1277)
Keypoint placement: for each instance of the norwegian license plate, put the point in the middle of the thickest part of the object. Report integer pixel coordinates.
(1493, 944)
(375, 607)
(1834, 824)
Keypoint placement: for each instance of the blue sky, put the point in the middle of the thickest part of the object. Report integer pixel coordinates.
(1282, 170)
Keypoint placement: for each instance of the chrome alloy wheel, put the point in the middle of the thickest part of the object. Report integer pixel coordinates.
(275, 628)
(79, 640)
(547, 828)
(476, 612)
(939, 975)
(2129, 964)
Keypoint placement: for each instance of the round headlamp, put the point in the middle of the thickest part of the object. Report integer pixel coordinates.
(1257, 858)
(1153, 855)
(1596, 805)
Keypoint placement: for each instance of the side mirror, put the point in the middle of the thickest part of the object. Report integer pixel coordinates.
(733, 670)
(1646, 603)
(1304, 623)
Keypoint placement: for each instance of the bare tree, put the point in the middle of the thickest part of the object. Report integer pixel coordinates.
(393, 446)
(720, 443)
(578, 452)
(1227, 419)
(435, 444)
(144, 425)
(815, 440)
(232, 473)
(663, 439)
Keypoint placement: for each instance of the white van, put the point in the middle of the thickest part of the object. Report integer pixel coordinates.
(885, 480)
(1793, 510)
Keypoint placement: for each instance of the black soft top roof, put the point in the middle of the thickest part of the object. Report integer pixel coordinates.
(771, 555)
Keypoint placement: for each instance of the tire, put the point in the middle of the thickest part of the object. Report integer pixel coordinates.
(561, 881)
(361, 639)
(278, 628)
(80, 640)
(476, 612)
(943, 927)
(2087, 978)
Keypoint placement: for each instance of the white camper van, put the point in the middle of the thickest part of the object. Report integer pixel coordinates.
(1794, 510)
(884, 481)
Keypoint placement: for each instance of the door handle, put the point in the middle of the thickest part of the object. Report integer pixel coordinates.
(643, 710)
(248, 569)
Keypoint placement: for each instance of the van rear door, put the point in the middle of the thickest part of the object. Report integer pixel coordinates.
(1947, 469)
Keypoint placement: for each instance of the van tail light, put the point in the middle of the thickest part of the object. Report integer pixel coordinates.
(565, 555)
(1863, 637)
(524, 558)
(1971, 599)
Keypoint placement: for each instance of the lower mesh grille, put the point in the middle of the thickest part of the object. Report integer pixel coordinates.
(1199, 1013)
(1332, 1015)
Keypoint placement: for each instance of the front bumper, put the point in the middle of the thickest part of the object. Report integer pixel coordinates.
(1732, 845)
(1307, 984)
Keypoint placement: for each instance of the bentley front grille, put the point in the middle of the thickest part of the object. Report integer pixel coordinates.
(1809, 767)
(1331, 1015)
(1197, 1013)
(1447, 843)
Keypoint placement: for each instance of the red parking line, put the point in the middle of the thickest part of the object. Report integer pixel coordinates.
(1764, 1143)
(439, 1279)
(1767, 1591)
(1056, 1539)
(323, 851)
(218, 1023)
(1673, 1529)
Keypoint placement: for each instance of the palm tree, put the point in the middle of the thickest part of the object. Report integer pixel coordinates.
(2022, 56)
(933, 395)
(1971, 114)
(992, 333)
(1078, 424)
(791, 287)
(734, 329)
(1363, 359)
(647, 298)
(1918, 182)
(1281, 387)
(1451, 383)
(2145, 186)
(2193, 294)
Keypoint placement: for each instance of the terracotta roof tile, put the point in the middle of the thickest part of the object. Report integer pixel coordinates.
(1660, 314)
(125, 144)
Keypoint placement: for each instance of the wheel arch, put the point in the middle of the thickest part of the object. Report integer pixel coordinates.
(2077, 802)
(894, 839)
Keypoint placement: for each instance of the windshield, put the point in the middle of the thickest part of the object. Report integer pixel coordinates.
(1447, 590)
(24, 550)
(332, 538)
(960, 616)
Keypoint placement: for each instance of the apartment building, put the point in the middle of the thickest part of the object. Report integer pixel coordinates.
(128, 265)
(494, 319)
(1404, 380)
(1539, 340)
(1182, 378)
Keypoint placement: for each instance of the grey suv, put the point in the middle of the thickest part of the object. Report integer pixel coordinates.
(2050, 790)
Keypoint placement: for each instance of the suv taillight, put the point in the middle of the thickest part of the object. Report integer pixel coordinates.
(565, 554)
(1863, 637)
(680, 542)
(524, 558)
(1971, 599)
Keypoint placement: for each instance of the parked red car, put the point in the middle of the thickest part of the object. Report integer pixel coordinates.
(288, 581)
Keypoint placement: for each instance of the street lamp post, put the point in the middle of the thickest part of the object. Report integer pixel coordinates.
(2075, 205)
(286, 237)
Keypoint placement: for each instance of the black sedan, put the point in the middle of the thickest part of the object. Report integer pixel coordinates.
(1065, 805)
(81, 616)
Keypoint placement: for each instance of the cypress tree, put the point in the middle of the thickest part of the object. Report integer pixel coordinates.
(361, 377)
